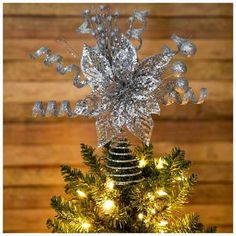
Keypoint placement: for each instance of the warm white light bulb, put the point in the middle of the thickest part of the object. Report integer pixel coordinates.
(81, 193)
(150, 196)
(110, 184)
(161, 192)
(142, 163)
(140, 216)
(108, 205)
(179, 178)
(153, 211)
(163, 223)
(85, 225)
(160, 164)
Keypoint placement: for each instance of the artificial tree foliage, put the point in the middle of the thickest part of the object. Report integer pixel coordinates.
(94, 203)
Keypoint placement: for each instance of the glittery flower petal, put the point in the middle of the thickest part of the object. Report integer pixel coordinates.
(88, 107)
(154, 65)
(96, 68)
(118, 116)
(153, 105)
(143, 86)
(81, 108)
(142, 127)
(124, 59)
(130, 110)
(104, 130)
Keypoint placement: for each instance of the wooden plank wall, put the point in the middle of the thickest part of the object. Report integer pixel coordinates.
(35, 148)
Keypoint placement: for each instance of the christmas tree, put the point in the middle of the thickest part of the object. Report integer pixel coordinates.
(126, 189)
(104, 200)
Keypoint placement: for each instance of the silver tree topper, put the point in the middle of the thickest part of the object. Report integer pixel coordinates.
(125, 90)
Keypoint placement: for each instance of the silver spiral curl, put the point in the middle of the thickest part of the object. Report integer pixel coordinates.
(51, 110)
(57, 59)
(136, 33)
(179, 92)
(188, 96)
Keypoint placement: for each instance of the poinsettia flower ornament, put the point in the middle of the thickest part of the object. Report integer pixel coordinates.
(125, 91)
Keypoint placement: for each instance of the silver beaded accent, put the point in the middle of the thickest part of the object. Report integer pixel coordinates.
(179, 68)
(188, 49)
(185, 47)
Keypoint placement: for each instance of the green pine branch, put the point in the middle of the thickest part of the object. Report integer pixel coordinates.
(90, 158)
(189, 223)
(70, 174)
(144, 152)
(64, 208)
(181, 192)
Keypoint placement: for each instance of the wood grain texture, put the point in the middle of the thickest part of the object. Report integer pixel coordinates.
(50, 176)
(38, 27)
(157, 10)
(54, 155)
(35, 148)
(77, 132)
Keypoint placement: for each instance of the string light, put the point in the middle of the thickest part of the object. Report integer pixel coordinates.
(81, 193)
(163, 223)
(142, 163)
(180, 178)
(150, 196)
(85, 225)
(140, 216)
(108, 205)
(161, 192)
(153, 211)
(110, 184)
(160, 163)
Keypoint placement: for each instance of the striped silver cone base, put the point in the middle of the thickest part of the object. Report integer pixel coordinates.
(121, 165)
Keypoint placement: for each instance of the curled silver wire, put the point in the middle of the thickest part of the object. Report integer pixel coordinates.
(51, 110)
(178, 91)
(50, 58)
(135, 33)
